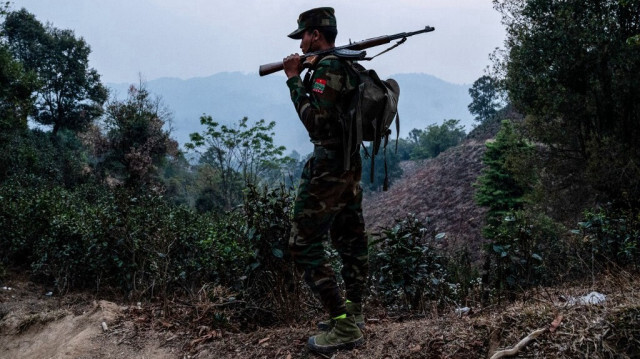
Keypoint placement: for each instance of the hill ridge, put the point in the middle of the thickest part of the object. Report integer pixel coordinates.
(230, 96)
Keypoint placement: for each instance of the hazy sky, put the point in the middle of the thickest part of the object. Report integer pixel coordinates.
(197, 38)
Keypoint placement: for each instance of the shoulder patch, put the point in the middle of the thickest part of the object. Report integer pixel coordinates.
(319, 85)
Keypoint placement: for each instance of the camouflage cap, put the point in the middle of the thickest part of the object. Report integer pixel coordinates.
(318, 17)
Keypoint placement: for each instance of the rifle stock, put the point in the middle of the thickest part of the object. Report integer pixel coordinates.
(309, 60)
(273, 67)
(268, 69)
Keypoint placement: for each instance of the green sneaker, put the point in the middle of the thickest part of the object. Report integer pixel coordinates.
(354, 309)
(326, 325)
(344, 334)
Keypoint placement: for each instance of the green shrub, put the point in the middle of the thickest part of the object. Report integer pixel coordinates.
(225, 253)
(93, 236)
(406, 269)
(611, 236)
(25, 209)
(56, 159)
(436, 139)
(273, 283)
(527, 250)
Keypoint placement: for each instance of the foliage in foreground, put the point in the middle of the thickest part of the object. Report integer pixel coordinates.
(143, 245)
(92, 237)
(406, 269)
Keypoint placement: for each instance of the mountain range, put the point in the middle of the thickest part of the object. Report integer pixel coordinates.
(230, 96)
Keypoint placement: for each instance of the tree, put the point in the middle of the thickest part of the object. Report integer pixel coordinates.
(386, 165)
(238, 154)
(138, 143)
(486, 98)
(437, 139)
(573, 68)
(71, 94)
(499, 187)
(403, 148)
(16, 87)
(414, 136)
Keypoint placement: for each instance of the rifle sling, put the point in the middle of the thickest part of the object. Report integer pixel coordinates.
(387, 50)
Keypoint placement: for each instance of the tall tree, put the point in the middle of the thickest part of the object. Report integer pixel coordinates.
(573, 68)
(138, 143)
(486, 98)
(499, 187)
(240, 153)
(16, 88)
(71, 94)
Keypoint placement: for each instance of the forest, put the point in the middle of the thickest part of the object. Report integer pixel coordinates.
(96, 196)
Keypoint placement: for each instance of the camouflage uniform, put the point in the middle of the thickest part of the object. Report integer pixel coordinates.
(329, 198)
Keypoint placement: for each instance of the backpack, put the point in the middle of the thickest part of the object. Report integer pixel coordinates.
(372, 110)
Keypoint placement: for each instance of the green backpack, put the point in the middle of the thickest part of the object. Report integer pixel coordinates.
(372, 110)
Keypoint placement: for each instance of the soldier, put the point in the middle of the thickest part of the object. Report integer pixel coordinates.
(329, 197)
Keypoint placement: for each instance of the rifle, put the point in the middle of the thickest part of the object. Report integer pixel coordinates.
(354, 51)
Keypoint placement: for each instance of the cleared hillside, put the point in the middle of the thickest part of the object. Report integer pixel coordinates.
(438, 189)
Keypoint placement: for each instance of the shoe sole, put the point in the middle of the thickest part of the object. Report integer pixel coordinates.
(334, 348)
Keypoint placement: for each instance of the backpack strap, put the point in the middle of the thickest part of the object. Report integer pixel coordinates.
(351, 141)
(397, 129)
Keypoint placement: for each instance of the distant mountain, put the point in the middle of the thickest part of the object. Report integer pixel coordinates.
(230, 96)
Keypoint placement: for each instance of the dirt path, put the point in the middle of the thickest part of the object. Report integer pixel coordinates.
(33, 325)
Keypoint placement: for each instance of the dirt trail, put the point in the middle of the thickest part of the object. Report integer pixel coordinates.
(33, 325)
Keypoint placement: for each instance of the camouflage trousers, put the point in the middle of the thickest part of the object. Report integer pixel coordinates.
(329, 203)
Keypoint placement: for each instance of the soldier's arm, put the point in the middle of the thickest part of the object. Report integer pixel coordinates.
(314, 109)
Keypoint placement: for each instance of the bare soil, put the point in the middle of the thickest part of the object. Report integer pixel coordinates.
(439, 192)
(33, 325)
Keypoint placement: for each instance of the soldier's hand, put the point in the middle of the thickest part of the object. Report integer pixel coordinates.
(292, 65)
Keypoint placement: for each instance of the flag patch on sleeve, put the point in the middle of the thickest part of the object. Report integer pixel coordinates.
(319, 85)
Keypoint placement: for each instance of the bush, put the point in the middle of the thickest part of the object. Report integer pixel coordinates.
(436, 139)
(23, 217)
(92, 236)
(406, 270)
(611, 236)
(225, 252)
(273, 282)
(527, 250)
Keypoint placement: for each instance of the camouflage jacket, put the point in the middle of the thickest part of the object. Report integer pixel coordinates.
(321, 98)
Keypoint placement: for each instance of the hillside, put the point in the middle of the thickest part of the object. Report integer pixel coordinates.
(438, 189)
